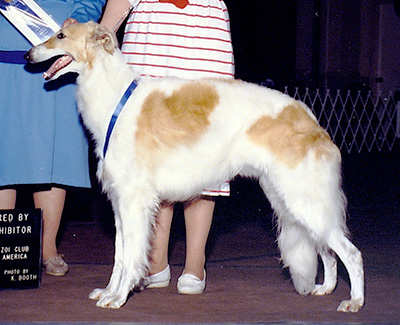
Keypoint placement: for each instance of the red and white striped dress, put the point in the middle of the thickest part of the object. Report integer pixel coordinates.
(194, 42)
(180, 38)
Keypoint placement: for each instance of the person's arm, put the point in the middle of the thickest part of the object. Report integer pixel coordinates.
(115, 12)
(85, 10)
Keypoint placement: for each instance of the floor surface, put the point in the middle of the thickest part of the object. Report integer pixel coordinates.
(246, 282)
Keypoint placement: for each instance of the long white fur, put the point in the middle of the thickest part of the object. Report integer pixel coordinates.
(307, 198)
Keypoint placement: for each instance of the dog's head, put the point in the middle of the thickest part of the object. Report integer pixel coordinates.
(76, 46)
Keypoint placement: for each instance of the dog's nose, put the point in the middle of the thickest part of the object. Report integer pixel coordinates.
(27, 56)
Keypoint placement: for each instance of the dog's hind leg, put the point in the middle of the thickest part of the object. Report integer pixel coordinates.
(330, 274)
(323, 212)
(325, 221)
(352, 259)
(137, 209)
(313, 204)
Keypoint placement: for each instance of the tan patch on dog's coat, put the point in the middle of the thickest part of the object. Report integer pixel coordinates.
(181, 118)
(291, 135)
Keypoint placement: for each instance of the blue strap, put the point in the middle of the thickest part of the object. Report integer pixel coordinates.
(116, 113)
(12, 57)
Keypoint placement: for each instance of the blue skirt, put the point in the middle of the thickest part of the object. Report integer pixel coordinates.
(42, 139)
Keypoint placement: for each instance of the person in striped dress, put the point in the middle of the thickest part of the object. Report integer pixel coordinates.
(187, 39)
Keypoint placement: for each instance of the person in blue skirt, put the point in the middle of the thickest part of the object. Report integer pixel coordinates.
(42, 141)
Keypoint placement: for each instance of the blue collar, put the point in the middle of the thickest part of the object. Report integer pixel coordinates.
(116, 113)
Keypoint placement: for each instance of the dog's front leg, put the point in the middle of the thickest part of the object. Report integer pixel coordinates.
(116, 275)
(137, 210)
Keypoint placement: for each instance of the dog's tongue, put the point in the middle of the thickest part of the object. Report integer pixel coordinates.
(56, 66)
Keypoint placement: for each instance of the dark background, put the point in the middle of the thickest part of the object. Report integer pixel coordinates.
(264, 40)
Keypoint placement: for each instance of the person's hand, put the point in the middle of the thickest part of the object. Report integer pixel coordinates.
(69, 21)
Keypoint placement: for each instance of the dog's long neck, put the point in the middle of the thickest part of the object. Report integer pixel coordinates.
(100, 87)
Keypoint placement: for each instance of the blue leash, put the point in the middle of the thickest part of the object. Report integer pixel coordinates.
(116, 113)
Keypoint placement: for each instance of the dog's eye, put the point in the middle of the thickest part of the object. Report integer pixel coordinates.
(61, 36)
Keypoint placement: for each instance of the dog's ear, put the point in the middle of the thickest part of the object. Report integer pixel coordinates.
(103, 37)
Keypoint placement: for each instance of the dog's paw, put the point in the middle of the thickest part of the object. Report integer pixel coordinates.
(351, 306)
(321, 290)
(96, 294)
(111, 302)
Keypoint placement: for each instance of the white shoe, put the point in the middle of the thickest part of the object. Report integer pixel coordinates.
(189, 284)
(158, 280)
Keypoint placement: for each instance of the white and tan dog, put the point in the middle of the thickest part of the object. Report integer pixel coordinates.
(176, 137)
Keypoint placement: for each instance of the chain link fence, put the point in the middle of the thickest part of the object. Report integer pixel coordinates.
(357, 122)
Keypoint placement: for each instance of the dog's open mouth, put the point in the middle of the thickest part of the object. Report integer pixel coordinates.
(59, 64)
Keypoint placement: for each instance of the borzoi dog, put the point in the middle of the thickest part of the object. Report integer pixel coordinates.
(173, 138)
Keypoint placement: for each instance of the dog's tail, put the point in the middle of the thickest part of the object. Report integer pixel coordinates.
(296, 244)
(299, 254)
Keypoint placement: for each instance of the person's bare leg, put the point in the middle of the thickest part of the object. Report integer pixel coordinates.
(8, 198)
(159, 254)
(198, 219)
(52, 204)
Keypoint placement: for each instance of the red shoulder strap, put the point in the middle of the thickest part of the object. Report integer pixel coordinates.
(179, 3)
